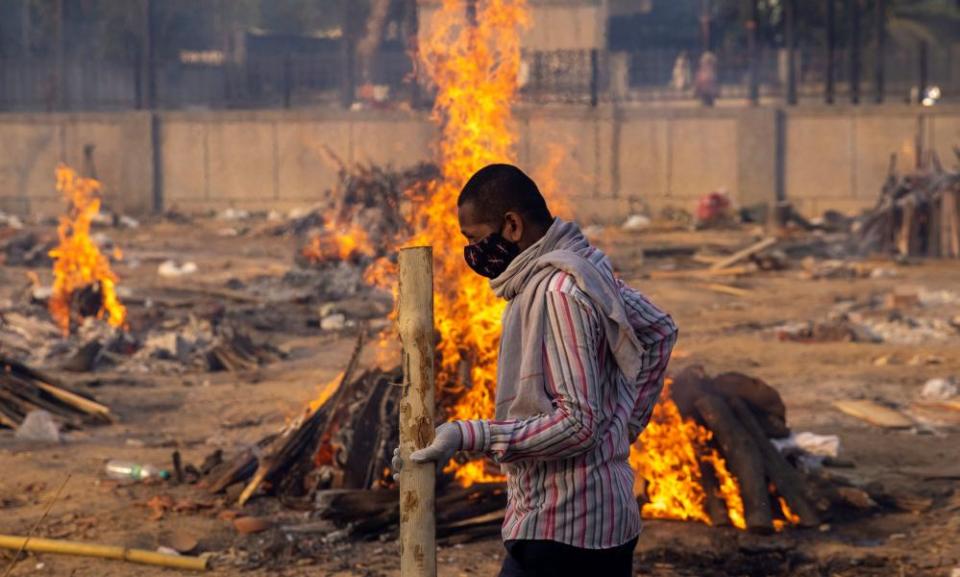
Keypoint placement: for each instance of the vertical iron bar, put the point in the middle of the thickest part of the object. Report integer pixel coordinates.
(878, 66)
(705, 23)
(594, 77)
(854, 15)
(830, 87)
(347, 81)
(148, 57)
(287, 80)
(924, 78)
(791, 41)
(61, 97)
(754, 70)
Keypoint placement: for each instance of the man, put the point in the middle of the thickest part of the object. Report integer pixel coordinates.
(580, 367)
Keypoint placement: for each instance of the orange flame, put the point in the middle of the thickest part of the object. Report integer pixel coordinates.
(668, 456)
(346, 242)
(475, 71)
(78, 263)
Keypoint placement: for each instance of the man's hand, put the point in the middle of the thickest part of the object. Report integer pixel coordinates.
(446, 442)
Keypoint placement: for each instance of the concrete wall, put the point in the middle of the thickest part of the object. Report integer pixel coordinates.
(31, 145)
(278, 160)
(602, 163)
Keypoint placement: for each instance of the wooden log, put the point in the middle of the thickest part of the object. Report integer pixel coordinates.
(363, 461)
(418, 549)
(765, 400)
(745, 253)
(50, 394)
(714, 505)
(744, 460)
(788, 482)
(905, 231)
(950, 223)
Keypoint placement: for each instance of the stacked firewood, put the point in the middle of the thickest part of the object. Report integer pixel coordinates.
(344, 443)
(23, 389)
(743, 413)
(917, 214)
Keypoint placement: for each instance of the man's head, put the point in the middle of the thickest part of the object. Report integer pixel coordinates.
(500, 198)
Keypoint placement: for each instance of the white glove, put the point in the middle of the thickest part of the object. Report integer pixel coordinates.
(446, 442)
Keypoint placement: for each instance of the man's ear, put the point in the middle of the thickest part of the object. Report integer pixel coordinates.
(513, 227)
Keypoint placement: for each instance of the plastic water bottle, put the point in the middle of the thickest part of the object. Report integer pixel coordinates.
(130, 471)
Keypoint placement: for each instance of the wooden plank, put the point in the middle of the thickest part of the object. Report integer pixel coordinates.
(946, 405)
(727, 289)
(873, 413)
(745, 253)
(701, 272)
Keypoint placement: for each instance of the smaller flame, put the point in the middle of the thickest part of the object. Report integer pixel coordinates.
(788, 516)
(324, 392)
(668, 457)
(346, 242)
(78, 263)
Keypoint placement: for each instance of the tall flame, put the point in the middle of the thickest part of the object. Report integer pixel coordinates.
(78, 263)
(475, 70)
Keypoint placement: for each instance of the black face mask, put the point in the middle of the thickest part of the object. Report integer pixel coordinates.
(491, 255)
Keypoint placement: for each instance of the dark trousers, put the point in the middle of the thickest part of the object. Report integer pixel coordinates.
(552, 559)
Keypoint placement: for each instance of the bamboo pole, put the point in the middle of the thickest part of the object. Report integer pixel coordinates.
(102, 551)
(418, 549)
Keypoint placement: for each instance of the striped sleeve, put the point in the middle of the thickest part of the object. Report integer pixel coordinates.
(657, 333)
(571, 375)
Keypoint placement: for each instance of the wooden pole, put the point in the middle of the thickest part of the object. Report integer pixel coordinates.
(418, 548)
(102, 551)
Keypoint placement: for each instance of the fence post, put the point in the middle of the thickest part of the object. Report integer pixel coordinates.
(830, 86)
(881, 33)
(594, 77)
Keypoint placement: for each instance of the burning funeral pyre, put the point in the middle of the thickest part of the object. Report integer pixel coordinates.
(708, 460)
(81, 271)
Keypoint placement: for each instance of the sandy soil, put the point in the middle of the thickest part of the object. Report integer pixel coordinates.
(200, 412)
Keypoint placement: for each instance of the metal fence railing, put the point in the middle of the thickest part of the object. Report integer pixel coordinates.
(571, 76)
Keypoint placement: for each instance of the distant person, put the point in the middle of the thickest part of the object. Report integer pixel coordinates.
(707, 87)
(681, 78)
(581, 364)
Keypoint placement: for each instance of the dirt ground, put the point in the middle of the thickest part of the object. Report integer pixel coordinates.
(199, 412)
